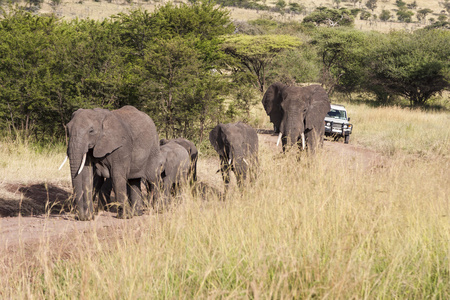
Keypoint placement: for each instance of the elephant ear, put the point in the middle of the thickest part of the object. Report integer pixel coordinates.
(114, 136)
(216, 140)
(319, 107)
(272, 103)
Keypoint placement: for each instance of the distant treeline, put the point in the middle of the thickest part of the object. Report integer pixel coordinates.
(179, 65)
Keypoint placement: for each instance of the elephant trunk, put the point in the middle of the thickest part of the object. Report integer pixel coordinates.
(292, 127)
(81, 171)
(77, 156)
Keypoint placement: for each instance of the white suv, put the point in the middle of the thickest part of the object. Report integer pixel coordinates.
(337, 124)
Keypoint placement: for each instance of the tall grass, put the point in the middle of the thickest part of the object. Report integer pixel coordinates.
(25, 161)
(308, 227)
(313, 227)
(393, 129)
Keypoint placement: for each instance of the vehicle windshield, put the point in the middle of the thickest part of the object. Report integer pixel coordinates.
(337, 114)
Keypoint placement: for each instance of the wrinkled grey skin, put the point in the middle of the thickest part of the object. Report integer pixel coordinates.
(122, 145)
(296, 110)
(237, 146)
(191, 149)
(174, 170)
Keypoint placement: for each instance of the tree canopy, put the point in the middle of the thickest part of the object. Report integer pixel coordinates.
(413, 65)
(159, 62)
(256, 53)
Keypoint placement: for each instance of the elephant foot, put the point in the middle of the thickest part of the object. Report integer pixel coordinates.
(84, 218)
(138, 212)
(124, 214)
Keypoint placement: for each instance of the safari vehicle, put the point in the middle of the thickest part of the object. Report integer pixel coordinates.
(337, 124)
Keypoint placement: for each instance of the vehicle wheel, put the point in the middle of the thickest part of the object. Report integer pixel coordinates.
(346, 139)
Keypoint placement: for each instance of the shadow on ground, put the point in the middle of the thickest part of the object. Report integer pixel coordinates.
(35, 199)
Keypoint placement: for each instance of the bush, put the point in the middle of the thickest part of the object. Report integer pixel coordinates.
(330, 17)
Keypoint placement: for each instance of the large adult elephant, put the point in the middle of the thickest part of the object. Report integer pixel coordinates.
(298, 113)
(122, 145)
(237, 146)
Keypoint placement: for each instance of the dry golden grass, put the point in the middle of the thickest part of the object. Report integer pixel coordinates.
(71, 9)
(22, 162)
(309, 227)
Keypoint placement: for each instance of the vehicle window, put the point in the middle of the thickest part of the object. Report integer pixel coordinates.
(337, 114)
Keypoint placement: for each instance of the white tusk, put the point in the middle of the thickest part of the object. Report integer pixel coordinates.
(82, 163)
(303, 141)
(245, 161)
(65, 159)
(229, 161)
(279, 139)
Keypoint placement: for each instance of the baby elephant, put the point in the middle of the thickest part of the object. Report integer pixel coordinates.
(191, 149)
(175, 169)
(237, 145)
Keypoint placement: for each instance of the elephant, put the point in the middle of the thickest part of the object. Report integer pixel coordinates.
(123, 145)
(237, 146)
(298, 113)
(193, 153)
(174, 170)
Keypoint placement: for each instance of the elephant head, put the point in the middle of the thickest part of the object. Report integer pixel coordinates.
(298, 112)
(237, 146)
(85, 129)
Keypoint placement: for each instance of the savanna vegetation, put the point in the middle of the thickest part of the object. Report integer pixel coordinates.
(323, 226)
(189, 66)
(328, 227)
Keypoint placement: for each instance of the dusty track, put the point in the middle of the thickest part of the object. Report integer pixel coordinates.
(43, 214)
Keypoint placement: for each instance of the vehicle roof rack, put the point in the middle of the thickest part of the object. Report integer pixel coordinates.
(337, 104)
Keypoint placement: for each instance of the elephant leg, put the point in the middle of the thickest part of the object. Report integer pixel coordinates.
(102, 191)
(151, 194)
(105, 192)
(240, 178)
(194, 169)
(168, 188)
(135, 194)
(284, 143)
(253, 169)
(225, 169)
(120, 190)
(163, 200)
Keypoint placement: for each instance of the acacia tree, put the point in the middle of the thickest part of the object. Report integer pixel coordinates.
(371, 4)
(412, 65)
(342, 53)
(422, 13)
(385, 15)
(254, 54)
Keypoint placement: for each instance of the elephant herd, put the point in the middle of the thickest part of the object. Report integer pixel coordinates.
(117, 150)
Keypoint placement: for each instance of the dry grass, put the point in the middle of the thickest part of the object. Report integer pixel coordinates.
(323, 228)
(71, 9)
(26, 163)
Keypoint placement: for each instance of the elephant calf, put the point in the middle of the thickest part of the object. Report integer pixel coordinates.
(175, 169)
(237, 146)
(192, 151)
